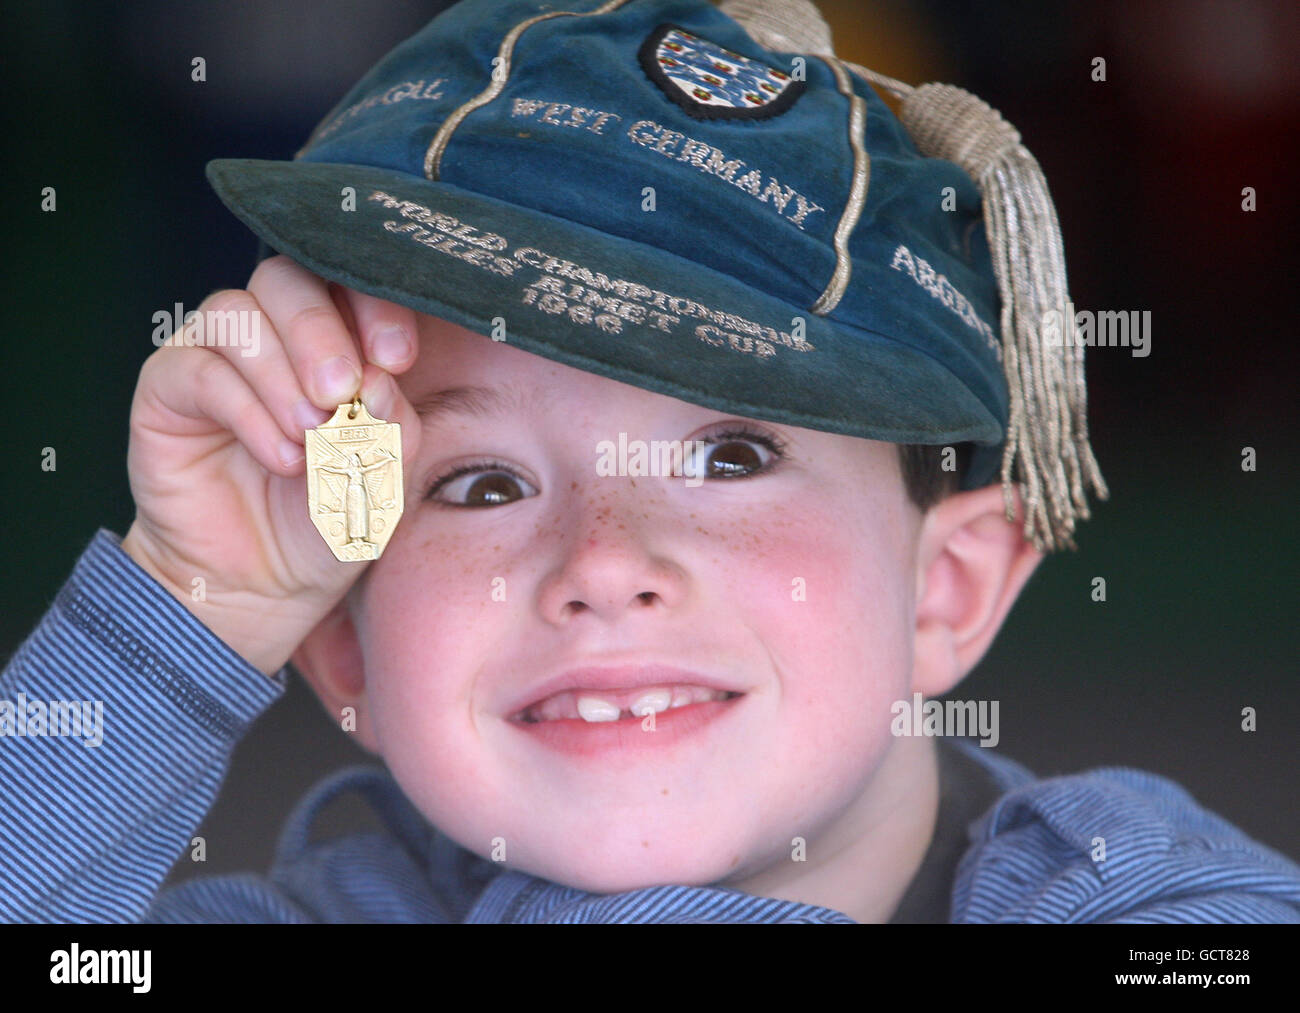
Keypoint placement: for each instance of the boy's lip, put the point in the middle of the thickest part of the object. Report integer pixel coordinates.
(617, 677)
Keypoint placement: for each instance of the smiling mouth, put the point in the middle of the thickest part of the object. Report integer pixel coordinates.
(597, 706)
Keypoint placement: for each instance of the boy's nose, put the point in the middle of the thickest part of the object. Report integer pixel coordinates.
(616, 557)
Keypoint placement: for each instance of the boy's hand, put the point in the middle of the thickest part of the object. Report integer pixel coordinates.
(216, 460)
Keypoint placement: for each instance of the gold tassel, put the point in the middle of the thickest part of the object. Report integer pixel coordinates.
(1047, 450)
(1047, 433)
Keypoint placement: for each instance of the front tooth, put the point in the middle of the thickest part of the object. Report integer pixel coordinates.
(593, 708)
(652, 702)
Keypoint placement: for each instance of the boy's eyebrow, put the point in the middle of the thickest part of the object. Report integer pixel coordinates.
(479, 402)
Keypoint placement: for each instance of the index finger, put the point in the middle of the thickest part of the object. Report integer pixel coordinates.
(388, 331)
(322, 350)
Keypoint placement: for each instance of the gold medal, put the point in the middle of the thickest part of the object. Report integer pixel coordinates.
(354, 481)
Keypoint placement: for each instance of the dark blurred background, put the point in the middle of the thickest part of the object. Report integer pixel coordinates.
(1200, 100)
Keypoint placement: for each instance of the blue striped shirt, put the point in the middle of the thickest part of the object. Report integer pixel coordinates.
(89, 833)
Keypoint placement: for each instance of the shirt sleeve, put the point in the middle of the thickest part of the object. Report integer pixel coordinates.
(118, 717)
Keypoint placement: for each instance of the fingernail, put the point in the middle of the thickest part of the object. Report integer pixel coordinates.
(290, 453)
(391, 346)
(337, 379)
(307, 415)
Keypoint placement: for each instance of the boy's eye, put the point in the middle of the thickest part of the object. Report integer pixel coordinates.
(486, 484)
(723, 455)
(732, 454)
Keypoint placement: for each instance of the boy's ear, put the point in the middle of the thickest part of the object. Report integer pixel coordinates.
(329, 658)
(971, 564)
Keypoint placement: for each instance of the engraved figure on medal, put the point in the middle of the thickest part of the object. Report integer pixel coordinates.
(354, 481)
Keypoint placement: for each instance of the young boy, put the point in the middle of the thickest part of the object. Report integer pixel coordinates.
(603, 692)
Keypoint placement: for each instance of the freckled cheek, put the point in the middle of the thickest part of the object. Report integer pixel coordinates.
(425, 620)
(832, 614)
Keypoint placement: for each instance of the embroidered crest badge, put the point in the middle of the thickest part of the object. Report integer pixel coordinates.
(710, 82)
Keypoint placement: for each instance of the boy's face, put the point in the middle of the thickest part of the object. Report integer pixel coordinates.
(794, 586)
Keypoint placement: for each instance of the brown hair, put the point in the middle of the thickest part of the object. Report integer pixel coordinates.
(924, 476)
